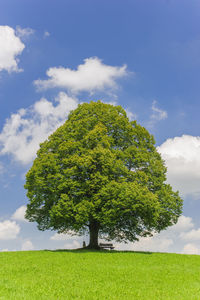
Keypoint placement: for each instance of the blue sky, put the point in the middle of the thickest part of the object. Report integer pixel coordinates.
(143, 55)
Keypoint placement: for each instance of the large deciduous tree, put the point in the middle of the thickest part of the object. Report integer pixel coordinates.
(102, 173)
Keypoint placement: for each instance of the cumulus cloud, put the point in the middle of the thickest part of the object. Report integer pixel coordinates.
(26, 129)
(193, 235)
(184, 223)
(93, 75)
(9, 230)
(70, 242)
(72, 245)
(170, 237)
(169, 240)
(24, 32)
(62, 236)
(155, 244)
(182, 157)
(190, 249)
(27, 245)
(19, 214)
(11, 47)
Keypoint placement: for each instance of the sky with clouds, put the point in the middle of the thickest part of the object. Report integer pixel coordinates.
(143, 55)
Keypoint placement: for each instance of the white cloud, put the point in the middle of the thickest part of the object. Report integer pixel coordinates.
(24, 32)
(183, 224)
(157, 114)
(190, 249)
(11, 47)
(1, 168)
(193, 235)
(155, 243)
(72, 245)
(26, 129)
(19, 214)
(91, 76)
(130, 115)
(71, 242)
(168, 240)
(27, 245)
(62, 236)
(9, 230)
(162, 242)
(46, 34)
(182, 157)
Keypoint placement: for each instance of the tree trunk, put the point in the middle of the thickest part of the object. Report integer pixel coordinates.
(94, 231)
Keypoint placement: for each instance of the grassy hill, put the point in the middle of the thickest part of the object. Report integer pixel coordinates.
(98, 275)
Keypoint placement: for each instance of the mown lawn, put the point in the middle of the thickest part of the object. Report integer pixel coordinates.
(98, 275)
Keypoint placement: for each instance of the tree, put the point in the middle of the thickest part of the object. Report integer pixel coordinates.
(102, 173)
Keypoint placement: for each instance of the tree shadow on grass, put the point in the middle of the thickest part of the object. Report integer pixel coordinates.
(102, 251)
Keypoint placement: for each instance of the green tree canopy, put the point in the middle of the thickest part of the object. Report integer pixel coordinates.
(102, 173)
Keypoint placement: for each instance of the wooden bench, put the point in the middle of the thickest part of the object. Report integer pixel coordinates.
(108, 245)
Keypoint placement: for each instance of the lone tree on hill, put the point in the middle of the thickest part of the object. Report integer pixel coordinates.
(102, 173)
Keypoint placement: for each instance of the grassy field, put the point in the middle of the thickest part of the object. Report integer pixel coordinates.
(98, 275)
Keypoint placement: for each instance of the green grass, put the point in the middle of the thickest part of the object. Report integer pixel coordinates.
(98, 275)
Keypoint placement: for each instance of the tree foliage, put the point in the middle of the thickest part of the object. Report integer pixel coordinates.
(101, 172)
